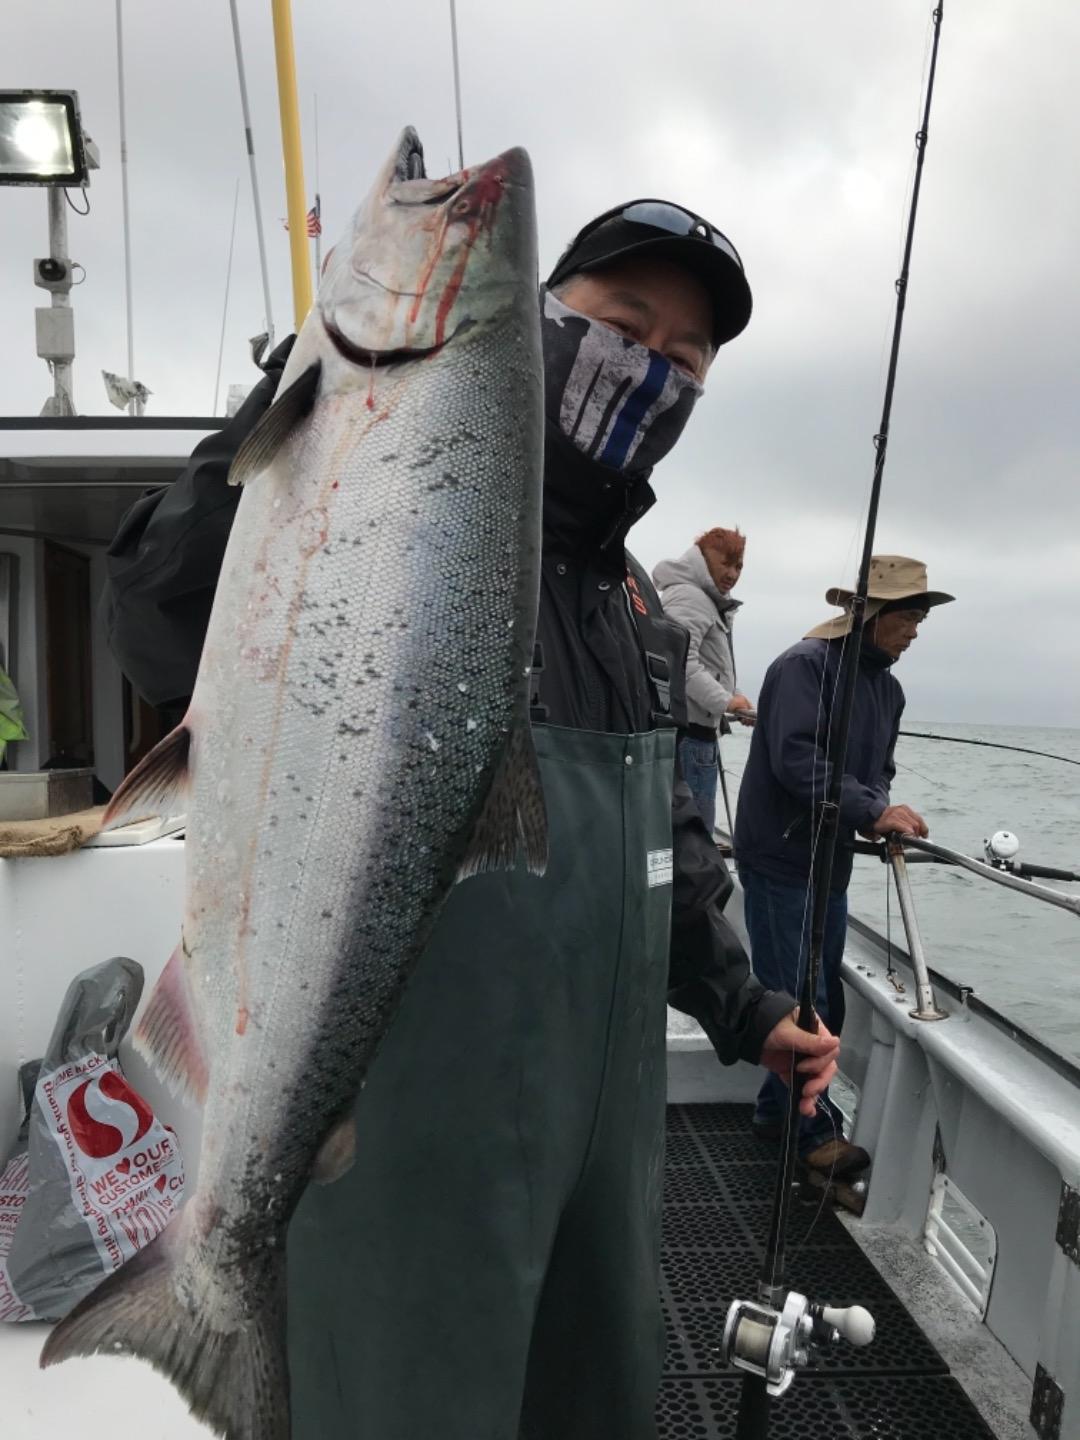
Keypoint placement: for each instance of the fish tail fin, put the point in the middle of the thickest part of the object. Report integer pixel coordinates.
(235, 1381)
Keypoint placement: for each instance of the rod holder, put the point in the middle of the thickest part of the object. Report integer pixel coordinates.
(927, 1008)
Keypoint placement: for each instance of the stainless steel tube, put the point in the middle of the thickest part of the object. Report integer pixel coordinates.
(927, 1007)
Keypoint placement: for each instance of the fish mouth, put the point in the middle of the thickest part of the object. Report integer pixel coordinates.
(409, 166)
(370, 359)
(409, 163)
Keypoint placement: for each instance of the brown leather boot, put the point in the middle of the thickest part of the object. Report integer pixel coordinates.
(849, 1195)
(837, 1157)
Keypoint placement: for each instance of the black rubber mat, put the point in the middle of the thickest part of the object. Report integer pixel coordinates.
(718, 1188)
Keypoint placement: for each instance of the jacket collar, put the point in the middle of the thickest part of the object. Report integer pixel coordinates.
(691, 568)
(589, 506)
(871, 657)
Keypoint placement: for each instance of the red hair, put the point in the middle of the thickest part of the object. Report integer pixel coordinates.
(726, 545)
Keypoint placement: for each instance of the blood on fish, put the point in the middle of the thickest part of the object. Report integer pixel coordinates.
(480, 203)
(242, 1017)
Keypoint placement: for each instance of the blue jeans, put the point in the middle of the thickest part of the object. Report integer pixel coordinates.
(778, 923)
(697, 760)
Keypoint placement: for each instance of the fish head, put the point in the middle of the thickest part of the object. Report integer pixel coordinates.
(426, 262)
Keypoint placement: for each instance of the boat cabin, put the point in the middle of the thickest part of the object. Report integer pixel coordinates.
(65, 483)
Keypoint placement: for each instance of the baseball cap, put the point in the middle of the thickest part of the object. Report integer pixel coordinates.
(669, 232)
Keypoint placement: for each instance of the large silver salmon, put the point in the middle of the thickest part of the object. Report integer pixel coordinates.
(358, 738)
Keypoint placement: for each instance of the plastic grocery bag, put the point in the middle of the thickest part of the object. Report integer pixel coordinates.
(103, 1175)
(14, 1188)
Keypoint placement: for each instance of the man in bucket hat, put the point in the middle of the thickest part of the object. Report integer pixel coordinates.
(787, 776)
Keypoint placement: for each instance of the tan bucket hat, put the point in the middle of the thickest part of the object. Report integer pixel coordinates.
(892, 577)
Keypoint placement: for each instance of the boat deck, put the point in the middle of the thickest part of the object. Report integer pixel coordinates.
(718, 1189)
(717, 1204)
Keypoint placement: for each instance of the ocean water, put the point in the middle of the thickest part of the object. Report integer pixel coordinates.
(1020, 955)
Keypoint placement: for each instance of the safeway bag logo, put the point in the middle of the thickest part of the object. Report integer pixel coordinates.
(105, 1114)
(124, 1166)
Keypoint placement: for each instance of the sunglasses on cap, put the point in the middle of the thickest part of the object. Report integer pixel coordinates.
(663, 215)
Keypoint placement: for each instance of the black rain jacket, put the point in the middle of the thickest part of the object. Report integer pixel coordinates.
(606, 659)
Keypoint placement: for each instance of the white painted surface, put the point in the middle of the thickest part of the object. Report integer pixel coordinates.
(98, 1396)
(58, 916)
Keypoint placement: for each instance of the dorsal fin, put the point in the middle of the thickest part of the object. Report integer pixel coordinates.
(275, 427)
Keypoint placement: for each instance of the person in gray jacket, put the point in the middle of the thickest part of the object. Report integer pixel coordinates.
(695, 591)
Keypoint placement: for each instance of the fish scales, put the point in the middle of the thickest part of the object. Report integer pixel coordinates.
(358, 738)
(390, 701)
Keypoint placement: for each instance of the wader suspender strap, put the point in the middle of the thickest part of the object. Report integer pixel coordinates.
(658, 668)
(657, 665)
(636, 590)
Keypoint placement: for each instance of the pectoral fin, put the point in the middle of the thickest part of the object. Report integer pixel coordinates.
(289, 408)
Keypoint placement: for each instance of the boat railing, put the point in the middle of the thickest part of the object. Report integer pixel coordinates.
(1000, 867)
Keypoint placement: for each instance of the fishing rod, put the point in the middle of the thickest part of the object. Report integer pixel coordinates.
(990, 744)
(769, 1339)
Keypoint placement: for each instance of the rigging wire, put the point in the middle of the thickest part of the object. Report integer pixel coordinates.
(225, 306)
(457, 84)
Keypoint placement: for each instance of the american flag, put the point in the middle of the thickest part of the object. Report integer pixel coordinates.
(314, 220)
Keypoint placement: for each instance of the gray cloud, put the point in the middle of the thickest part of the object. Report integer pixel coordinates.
(791, 126)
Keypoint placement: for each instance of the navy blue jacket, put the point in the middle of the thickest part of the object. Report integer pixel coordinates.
(788, 771)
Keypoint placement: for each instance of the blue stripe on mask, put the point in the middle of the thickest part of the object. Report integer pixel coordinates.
(637, 403)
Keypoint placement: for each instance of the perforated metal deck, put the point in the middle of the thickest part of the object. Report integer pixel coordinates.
(717, 1203)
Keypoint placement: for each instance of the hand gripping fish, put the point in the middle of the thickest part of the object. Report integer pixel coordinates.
(358, 739)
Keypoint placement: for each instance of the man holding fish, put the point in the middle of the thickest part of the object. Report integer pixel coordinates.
(431, 658)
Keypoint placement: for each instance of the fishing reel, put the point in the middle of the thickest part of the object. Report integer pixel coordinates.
(773, 1343)
(1001, 849)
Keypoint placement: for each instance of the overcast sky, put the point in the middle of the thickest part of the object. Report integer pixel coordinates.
(790, 124)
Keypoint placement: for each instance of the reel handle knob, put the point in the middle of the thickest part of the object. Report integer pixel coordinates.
(854, 1323)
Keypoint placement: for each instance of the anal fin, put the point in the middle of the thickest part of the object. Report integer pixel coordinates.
(514, 817)
(169, 1036)
(156, 785)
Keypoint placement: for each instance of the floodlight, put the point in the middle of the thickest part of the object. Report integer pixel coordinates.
(41, 139)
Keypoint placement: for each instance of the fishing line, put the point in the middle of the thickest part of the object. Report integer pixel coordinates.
(836, 1135)
(754, 1404)
(930, 780)
(989, 744)
(823, 731)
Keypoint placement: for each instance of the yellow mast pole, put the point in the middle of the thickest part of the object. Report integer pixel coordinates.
(294, 159)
